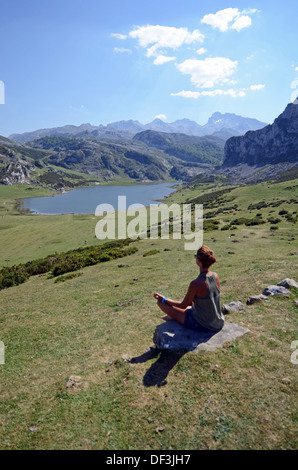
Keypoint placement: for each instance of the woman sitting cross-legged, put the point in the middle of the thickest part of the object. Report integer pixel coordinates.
(200, 308)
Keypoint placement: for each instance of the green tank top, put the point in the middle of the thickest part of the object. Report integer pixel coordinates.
(206, 310)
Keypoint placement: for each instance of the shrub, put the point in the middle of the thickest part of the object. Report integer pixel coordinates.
(209, 225)
(65, 262)
(151, 252)
(255, 221)
(290, 218)
(274, 220)
(239, 221)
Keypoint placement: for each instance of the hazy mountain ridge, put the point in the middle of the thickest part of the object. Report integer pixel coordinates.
(234, 125)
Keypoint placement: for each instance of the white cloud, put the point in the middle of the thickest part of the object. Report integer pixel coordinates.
(201, 51)
(250, 57)
(212, 93)
(162, 59)
(122, 50)
(229, 18)
(256, 87)
(163, 37)
(119, 36)
(209, 72)
(296, 69)
(187, 94)
(241, 22)
(161, 116)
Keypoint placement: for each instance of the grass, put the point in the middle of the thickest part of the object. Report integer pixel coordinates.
(99, 326)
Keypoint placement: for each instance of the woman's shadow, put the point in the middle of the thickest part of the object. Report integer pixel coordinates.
(159, 370)
(168, 358)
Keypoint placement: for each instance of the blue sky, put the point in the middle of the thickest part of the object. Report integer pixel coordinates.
(98, 61)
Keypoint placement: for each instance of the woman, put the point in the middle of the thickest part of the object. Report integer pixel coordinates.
(200, 308)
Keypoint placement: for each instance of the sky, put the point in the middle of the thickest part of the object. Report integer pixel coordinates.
(99, 61)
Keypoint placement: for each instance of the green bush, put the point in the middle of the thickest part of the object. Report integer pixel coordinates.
(274, 220)
(255, 221)
(210, 224)
(64, 263)
(240, 221)
(151, 252)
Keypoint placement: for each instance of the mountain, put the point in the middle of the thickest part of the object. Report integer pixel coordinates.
(222, 125)
(231, 122)
(150, 155)
(275, 143)
(68, 130)
(127, 126)
(187, 148)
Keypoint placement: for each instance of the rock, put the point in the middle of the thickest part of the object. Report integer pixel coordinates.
(15, 172)
(234, 306)
(288, 283)
(173, 336)
(276, 290)
(256, 298)
(75, 382)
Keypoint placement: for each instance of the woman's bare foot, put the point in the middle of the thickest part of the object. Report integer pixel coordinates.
(167, 318)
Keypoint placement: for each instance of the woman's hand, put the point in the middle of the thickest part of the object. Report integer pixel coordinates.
(158, 296)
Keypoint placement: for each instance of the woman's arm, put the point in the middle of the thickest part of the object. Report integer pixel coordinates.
(186, 302)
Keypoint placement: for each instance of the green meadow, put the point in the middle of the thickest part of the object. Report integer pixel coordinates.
(97, 325)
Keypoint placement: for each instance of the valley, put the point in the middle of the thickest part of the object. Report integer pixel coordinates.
(66, 324)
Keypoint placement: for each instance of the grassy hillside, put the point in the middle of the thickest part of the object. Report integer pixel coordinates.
(99, 326)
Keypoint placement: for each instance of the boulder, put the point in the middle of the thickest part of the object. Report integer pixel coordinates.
(256, 298)
(173, 336)
(288, 283)
(234, 306)
(276, 290)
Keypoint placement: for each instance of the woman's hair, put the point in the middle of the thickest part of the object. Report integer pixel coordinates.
(206, 256)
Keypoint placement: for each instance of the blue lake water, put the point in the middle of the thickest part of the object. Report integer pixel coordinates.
(85, 200)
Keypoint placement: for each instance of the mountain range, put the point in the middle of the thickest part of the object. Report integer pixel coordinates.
(242, 149)
(222, 125)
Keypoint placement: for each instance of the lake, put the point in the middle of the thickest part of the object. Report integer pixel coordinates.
(85, 200)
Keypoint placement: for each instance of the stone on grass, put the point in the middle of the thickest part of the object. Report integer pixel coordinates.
(256, 298)
(276, 290)
(75, 382)
(234, 306)
(172, 336)
(288, 283)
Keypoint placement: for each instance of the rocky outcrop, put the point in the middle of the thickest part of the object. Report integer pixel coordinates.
(172, 336)
(273, 144)
(15, 172)
(234, 306)
(276, 290)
